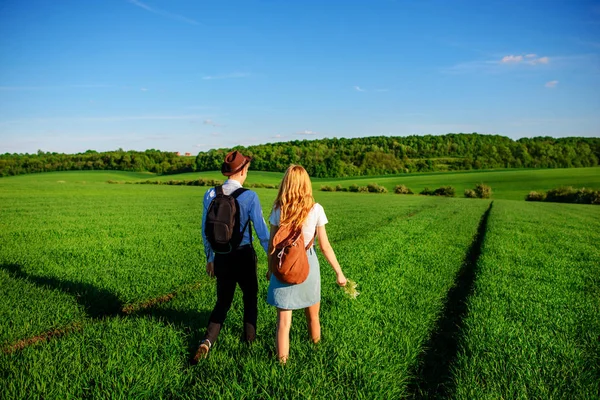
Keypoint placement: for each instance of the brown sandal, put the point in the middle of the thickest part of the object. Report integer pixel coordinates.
(202, 351)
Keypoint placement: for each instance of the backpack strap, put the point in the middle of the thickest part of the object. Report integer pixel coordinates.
(311, 241)
(219, 189)
(235, 195)
(237, 192)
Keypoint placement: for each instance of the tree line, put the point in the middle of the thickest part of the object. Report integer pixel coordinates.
(338, 157)
(379, 155)
(152, 160)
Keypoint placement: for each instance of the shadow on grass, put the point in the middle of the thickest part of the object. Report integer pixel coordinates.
(96, 302)
(100, 303)
(434, 379)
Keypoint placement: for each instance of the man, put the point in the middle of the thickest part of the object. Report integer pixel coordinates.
(239, 265)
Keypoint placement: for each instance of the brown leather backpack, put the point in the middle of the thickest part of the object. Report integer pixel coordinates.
(288, 259)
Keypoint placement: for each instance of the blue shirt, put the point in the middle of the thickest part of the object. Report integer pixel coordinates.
(249, 208)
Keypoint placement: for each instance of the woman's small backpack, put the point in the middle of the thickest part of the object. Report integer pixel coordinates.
(288, 258)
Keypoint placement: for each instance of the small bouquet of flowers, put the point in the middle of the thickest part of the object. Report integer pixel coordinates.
(350, 289)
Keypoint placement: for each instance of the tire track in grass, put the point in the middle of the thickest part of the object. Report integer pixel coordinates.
(97, 303)
(434, 375)
(150, 303)
(404, 273)
(532, 329)
(55, 333)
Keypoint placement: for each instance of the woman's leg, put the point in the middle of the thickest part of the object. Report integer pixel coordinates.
(282, 343)
(312, 319)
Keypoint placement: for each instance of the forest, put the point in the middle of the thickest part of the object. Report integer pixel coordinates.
(338, 157)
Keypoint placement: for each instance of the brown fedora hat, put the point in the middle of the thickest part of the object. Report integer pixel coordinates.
(234, 162)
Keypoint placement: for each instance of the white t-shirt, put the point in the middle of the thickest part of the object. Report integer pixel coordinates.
(316, 217)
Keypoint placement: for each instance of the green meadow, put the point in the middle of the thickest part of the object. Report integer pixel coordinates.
(103, 292)
(509, 184)
(506, 184)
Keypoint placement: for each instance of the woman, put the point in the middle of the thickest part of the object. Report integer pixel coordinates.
(296, 208)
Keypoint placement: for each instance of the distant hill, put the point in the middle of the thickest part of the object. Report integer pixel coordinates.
(376, 155)
(389, 155)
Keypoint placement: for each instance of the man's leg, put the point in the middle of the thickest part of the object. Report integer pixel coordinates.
(225, 291)
(248, 282)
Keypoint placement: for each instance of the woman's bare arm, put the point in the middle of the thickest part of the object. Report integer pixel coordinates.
(329, 254)
(274, 229)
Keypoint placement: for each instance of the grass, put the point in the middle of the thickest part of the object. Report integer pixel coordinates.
(507, 184)
(95, 177)
(533, 327)
(112, 358)
(75, 255)
(253, 176)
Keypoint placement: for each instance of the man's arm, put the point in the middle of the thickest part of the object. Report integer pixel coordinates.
(210, 255)
(260, 226)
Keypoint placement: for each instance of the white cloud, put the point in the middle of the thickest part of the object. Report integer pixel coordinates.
(144, 89)
(531, 59)
(541, 60)
(551, 84)
(226, 76)
(163, 13)
(358, 89)
(588, 62)
(306, 133)
(511, 59)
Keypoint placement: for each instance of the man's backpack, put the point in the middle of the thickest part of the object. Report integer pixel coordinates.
(288, 259)
(222, 223)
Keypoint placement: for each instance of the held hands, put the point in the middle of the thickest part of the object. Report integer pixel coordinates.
(341, 279)
(210, 269)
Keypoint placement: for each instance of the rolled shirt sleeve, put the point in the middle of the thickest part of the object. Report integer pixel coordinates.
(208, 196)
(275, 216)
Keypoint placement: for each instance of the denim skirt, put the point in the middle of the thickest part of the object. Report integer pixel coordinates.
(301, 295)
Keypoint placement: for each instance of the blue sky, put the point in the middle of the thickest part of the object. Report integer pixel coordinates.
(183, 75)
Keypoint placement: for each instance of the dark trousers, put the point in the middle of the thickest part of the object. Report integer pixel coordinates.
(235, 268)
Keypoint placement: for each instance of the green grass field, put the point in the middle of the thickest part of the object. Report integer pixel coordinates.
(507, 184)
(460, 298)
(535, 306)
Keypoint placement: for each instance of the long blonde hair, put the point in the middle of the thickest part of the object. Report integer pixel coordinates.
(295, 197)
